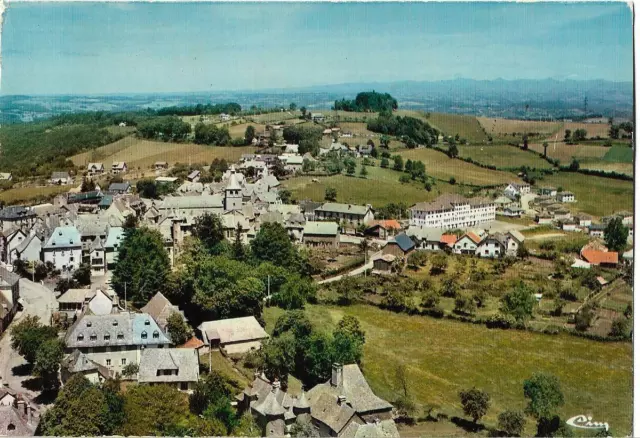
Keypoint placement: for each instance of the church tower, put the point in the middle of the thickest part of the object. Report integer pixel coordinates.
(233, 192)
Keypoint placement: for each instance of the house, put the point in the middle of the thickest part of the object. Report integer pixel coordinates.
(61, 178)
(327, 131)
(352, 214)
(291, 148)
(292, 163)
(512, 212)
(13, 241)
(567, 225)
(105, 202)
(492, 246)
(9, 297)
(383, 262)
(503, 202)
(308, 208)
(448, 240)
(78, 362)
(115, 340)
(317, 117)
(94, 254)
(5, 176)
(166, 180)
(19, 418)
(517, 189)
(64, 248)
(96, 301)
(194, 176)
(112, 244)
(118, 167)
(160, 309)
(426, 238)
(91, 198)
(597, 230)
(344, 406)
(29, 250)
(452, 211)
(383, 228)
(548, 191)
(233, 335)
(599, 257)
(365, 150)
(583, 220)
(95, 169)
(160, 165)
(178, 367)
(120, 188)
(400, 246)
(467, 243)
(514, 239)
(321, 234)
(225, 117)
(544, 218)
(565, 197)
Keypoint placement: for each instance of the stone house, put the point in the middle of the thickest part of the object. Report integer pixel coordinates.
(321, 234)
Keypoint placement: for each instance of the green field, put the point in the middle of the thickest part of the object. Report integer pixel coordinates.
(31, 195)
(442, 167)
(503, 156)
(594, 195)
(619, 154)
(381, 187)
(443, 357)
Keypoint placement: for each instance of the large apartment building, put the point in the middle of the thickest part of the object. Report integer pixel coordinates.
(453, 211)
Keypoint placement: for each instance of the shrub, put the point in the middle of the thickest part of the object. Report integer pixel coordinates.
(500, 321)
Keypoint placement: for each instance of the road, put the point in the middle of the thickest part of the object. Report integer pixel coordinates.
(39, 301)
(357, 271)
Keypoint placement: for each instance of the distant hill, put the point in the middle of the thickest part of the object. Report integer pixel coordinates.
(522, 98)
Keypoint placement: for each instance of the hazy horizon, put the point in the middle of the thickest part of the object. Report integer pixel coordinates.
(148, 48)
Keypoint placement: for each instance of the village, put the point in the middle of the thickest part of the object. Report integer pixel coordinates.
(80, 235)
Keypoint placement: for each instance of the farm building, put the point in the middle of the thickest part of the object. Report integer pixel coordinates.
(234, 335)
(194, 176)
(95, 169)
(399, 246)
(566, 197)
(159, 165)
(350, 213)
(383, 262)
(426, 238)
(383, 228)
(321, 234)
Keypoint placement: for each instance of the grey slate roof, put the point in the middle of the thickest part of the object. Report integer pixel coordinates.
(320, 229)
(335, 207)
(447, 202)
(404, 242)
(234, 329)
(119, 187)
(203, 201)
(78, 362)
(11, 415)
(8, 278)
(64, 237)
(160, 309)
(120, 329)
(16, 212)
(185, 360)
(426, 234)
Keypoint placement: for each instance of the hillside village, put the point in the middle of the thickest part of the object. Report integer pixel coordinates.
(72, 246)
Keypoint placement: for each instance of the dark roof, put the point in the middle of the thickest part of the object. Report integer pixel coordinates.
(404, 242)
(106, 201)
(16, 212)
(119, 187)
(86, 196)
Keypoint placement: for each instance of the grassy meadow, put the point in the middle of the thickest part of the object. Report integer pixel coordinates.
(143, 153)
(452, 124)
(32, 195)
(503, 156)
(443, 357)
(506, 127)
(565, 153)
(440, 166)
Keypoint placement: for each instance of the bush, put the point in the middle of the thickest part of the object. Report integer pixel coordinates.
(465, 305)
(500, 321)
(452, 180)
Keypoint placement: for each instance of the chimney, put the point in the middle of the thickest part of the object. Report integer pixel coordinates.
(29, 414)
(336, 374)
(342, 400)
(22, 407)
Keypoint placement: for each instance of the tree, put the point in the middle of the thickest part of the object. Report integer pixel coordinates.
(272, 244)
(439, 263)
(619, 327)
(397, 163)
(584, 317)
(179, 331)
(350, 327)
(303, 110)
(351, 167)
(615, 235)
(87, 185)
(405, 404)
(567, 135)
(574, 165)
(246, 426)
(330, 194)
(544, 394)
(143, 265)
(525, 142)
(64, 284)
(209, 229)
(384, 141)
(130, 369)
(303, 428)
(384, 163)
(519, 303)
(47, 363)
(292, 106)
(464, 304)
(363, 171)
(28, 336)
(152, 409)
(295, 293)
(579, 135)
(249, 134)
(545, 145)
(237, 250)
(511, 422)
(82, 275)
(475, 403)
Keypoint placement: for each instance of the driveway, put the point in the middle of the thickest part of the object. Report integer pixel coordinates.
(39, 301)
(525, 200)
(357, 271)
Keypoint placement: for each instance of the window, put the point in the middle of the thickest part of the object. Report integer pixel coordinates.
(107, 337)
(93, 337)
(88, 323)
(147, 322)
(114, 323)
(123, 361)
(184, 386)
(80, 337)
(156, 335)
(108, 362)
(143, 335)
(11, 426)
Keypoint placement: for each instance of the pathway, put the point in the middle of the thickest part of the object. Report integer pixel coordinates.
(357, 271)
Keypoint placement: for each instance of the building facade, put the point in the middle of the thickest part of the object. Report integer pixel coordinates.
(453, 211)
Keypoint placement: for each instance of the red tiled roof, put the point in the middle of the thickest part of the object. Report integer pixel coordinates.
(386, 224)
(474, 237)
(598, 257)
(192, 343)
(448, 239)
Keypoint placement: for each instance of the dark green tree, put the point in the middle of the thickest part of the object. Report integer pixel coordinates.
(272, 244)
(615, 235)
(82, 275)
(143, 265)
(208, 228)
(544, 394)
(519, 303)
(153, 409)
(330, 194)
(178, 330)
(47, 363)
(28, 336)
(249, 134)
(475, 403)
(512, 422)
(237, 250)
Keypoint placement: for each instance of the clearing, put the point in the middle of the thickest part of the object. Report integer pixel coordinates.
(443, 357)
(382, 186)
(564, 152)
(452, 124)
(143, 153)
(498, 127)
(442, 167)
(595, 195)
(503, 156)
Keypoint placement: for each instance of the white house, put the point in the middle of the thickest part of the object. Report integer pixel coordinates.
(61, 178)
(565, 197)
(112, 245)
(317, 117)
(29, 250)
(492, 246)
(178, 367)
(118, 167)
(426, 238)
(517, 188)
(292, 163)
(452, 211)
(95, 169)
(64, 249)
(353, 214)
(13, 241)
(467, 244)
(5, 176)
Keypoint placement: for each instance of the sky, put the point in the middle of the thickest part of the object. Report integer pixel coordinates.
(104, 48)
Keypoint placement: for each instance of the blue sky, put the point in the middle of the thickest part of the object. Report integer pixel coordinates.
(80, 48)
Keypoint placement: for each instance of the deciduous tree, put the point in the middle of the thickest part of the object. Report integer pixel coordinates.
(475, 403)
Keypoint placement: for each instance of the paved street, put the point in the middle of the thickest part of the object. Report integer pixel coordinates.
(39, 301)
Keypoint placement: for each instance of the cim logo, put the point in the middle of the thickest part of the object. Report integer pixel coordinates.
(586, 422)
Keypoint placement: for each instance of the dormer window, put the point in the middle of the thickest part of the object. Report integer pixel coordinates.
(114, 323)
(120, 335)
(93, 337)
(147, 322)
(143, 335)
(88, 323)
(156, 335)
(80, 337)
(107, 337)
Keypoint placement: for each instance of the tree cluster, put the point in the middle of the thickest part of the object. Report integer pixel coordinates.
(200, 109)
(211, 135)
(411, 128)
(166, 128)
(367, 101)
